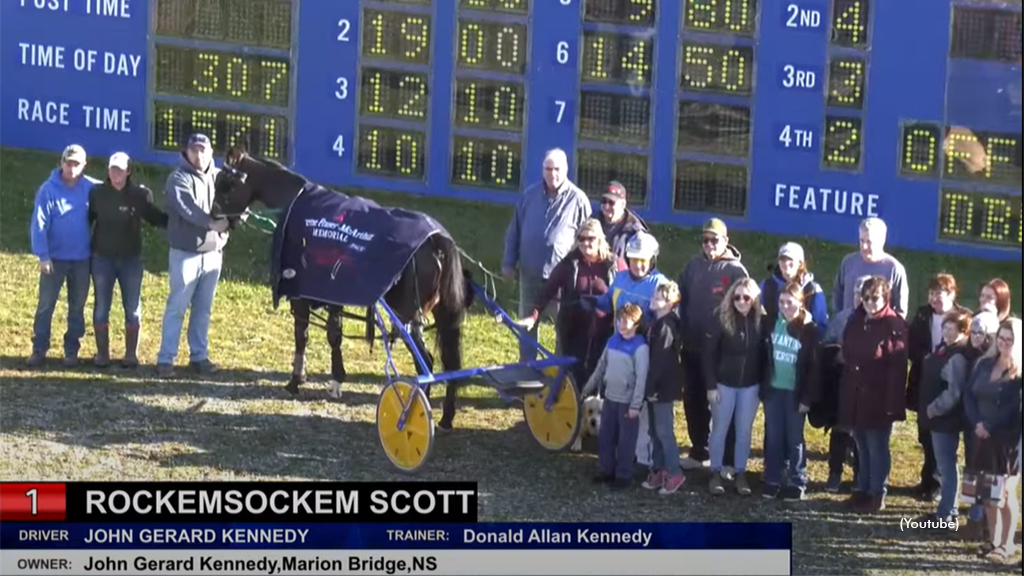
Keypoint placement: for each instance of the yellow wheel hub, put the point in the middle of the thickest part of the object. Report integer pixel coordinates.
(408, 448)
(555, 430)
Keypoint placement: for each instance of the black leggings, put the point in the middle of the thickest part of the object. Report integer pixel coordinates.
(586, 347)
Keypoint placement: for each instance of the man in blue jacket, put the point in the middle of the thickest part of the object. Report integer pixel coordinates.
(60, 239)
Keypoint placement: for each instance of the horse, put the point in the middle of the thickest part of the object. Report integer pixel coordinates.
(433, 282)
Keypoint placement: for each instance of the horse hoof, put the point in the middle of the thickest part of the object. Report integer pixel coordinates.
(293, 385)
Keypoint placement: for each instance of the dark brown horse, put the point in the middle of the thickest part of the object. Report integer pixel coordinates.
(433, 283)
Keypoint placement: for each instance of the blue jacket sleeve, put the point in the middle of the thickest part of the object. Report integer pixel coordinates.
(40, 224)
(511, 254)
(818, 308)
(604, 301)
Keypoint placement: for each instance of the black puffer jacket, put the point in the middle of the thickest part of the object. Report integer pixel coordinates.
(740, 359)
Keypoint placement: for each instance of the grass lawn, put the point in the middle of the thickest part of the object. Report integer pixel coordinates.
(83, 424)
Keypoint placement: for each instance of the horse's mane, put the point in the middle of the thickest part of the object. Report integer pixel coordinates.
(278, 166)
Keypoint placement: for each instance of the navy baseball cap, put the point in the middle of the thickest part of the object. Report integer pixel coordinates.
(199, 140)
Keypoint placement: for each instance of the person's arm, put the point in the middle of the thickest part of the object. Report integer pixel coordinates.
(839, 290)
(182, 201)
(642, 363)
(550, 289)
(896, 371)
(900, 291)
(812, 369)
(597, 376)
(970, 400)
(684, 297)
(40, 225)
(511, 255)
(149, 210)
(92, 206)
(709, 365)
(1007, 413)
(819, 311)
(955, 374)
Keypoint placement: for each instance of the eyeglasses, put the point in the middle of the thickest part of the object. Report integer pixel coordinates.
(979, 333)
(1005, 340)
(742, 298)
(608, 202)
(587, 239)
(710, 240)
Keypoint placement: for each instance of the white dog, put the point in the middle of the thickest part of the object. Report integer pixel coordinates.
(590, 423)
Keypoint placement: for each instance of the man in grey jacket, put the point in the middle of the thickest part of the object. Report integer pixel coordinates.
(542, 231)
(196, 242)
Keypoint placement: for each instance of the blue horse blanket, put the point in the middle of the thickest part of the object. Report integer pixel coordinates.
(344, 250)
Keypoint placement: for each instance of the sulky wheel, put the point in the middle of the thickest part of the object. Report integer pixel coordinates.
(555, 430)
(409, 447)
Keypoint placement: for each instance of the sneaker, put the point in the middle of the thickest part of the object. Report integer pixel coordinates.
(741, 484)
(203, 367)
(835, 480)
(715, 485)
(36, 359)
(654, 480)
(793, 494)
(729, 473)
(164, 370)
(770, 491)
(70, 361)
(672, 483)
(689, 463)
(855, 500)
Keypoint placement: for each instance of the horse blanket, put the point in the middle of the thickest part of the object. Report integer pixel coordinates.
(344, 250)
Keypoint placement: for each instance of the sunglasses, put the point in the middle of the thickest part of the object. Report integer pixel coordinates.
(979, 333)
(608, 202)
(710, 240)
(742, 298)
(587, 239)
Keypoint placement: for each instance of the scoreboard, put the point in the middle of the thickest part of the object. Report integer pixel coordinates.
(796, 117)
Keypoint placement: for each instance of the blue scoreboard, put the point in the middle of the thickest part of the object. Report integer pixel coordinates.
(797, 117)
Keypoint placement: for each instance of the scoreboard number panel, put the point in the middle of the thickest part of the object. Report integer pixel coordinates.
(685, 102)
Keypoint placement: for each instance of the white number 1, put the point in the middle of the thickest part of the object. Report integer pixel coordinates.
(561, 109)
(33, 496)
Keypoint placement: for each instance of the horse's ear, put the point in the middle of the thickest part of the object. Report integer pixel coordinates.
(235, 154)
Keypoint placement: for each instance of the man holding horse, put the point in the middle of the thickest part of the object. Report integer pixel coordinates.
(542, 231)
(195, 256)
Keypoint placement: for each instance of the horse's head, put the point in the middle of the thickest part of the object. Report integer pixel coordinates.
(232, 196)
(269, 182)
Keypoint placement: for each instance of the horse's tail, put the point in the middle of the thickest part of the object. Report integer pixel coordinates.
(452, 289)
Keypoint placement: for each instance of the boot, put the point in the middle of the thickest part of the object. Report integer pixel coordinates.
(131, 347)
(102, 358)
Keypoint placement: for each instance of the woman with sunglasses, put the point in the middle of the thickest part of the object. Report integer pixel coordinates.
(872, 394)
(993, 404)
(586, 272)
(735, 365)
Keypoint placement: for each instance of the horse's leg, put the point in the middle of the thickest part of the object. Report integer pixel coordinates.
(334, 337)
(300, 312)
(449, 335)
(416, 332)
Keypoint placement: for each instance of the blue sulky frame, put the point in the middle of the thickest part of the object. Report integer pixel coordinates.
(525, 381)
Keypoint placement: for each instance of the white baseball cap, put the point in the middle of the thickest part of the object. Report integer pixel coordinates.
(119, 160)
(74, 152)
(793, 251)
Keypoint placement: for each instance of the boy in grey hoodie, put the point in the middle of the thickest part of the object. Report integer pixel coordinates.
(622, 369)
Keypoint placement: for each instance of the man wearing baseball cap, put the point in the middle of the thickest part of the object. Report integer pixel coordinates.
(702, 285)
(617, 220)
(195, 256)
(117, 208)
(59, 231)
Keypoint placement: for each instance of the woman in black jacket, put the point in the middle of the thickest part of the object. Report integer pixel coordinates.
(117, 208)
(790, 388)
(940, 404)
(735, 361)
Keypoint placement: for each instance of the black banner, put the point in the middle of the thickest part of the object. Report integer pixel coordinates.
(365, 502)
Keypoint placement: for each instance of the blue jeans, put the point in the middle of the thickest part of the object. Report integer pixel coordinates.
(194, 280)
(784, 439)
(617, 440)
(76, 274)
(737, 405)
(661, 428)
(945, 446)
(874, 460)
(529, 293)
(127, 273)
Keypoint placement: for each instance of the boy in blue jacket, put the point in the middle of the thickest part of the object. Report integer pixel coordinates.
(60, 234)
(622, 369)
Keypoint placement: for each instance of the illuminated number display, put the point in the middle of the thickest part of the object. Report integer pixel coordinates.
(846, 82)
(710, 128)
(263, 134)
(243, 77)
(850, 23)
(617, 58)
(513, 6)
(493, 105)
(842, 146)
(264, 23)
(959, 153)
(717, 68)
(710, 187)
(738, 17)
(492, 46)
(396, 36)
(595, 168)
(633, 12)
(482, 161)
(393, 94)
(392, 151)
(615, 117)
(986, 34)
(980, 218)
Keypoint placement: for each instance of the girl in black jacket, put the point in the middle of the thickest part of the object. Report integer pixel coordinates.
(664, 389)
(735, 360)
(790, 388)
